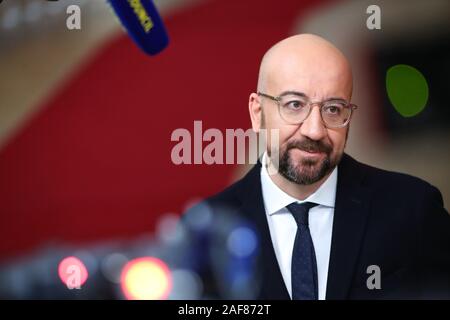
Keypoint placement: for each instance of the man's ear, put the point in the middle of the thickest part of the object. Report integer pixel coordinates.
(255, 110)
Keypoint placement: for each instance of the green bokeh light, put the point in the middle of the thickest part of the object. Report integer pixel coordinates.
(407, 89)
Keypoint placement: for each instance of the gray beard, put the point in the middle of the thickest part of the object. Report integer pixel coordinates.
(305, 173)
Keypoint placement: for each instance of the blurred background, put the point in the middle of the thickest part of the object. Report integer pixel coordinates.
(86, 120)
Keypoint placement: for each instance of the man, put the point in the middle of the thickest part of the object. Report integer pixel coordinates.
(327, 226)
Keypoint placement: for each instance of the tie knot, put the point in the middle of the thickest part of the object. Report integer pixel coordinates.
(300, 211)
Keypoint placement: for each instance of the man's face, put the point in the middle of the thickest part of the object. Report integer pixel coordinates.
(305, 160)
(308, 151)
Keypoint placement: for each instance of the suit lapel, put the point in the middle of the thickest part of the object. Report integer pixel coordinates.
(350, 217)
(272, 282)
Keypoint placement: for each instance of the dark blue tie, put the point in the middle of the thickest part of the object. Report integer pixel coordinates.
(303, 267)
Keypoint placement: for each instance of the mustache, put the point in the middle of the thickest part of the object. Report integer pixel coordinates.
(309, 146)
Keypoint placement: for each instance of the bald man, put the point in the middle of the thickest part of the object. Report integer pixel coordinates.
(308, 221)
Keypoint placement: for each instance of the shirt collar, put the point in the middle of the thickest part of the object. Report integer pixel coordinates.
(276, 199)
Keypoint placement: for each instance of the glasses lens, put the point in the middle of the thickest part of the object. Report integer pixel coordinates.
(293, 109)
(336, 113)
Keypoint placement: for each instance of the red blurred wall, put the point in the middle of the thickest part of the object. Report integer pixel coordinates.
(95, 163)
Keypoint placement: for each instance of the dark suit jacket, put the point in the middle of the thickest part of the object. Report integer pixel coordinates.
(394, 221)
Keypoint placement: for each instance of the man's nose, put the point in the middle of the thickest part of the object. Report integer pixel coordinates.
(313, 126)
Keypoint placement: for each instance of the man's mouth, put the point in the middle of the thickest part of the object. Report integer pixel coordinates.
(309, 152)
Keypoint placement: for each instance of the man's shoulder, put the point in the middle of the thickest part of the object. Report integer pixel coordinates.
(391, 181)
(233, 195)
(235, 191)
(382, 181)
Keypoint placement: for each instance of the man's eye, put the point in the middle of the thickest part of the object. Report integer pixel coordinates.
(294, 105)
(333, 109)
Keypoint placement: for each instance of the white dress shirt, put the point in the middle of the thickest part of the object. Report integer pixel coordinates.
(283, 227)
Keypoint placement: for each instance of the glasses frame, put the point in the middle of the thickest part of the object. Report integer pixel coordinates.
(309, 104)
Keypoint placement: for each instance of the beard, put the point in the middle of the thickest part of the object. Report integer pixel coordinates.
(307, 171)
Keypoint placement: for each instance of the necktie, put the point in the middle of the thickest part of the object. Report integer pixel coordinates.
(304, 267)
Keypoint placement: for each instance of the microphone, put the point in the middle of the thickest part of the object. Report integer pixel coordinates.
(143, 23)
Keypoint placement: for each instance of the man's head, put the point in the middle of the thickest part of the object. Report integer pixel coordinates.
(313, 69)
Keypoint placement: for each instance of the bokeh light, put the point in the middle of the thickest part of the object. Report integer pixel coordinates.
(72, 272)
(200, 219)
(112, 266)
(169, 230)
(242, 242)
(146, 278)
(407, 89)
(187, 285)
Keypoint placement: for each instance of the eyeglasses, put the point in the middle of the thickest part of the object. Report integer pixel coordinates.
(294, 108)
